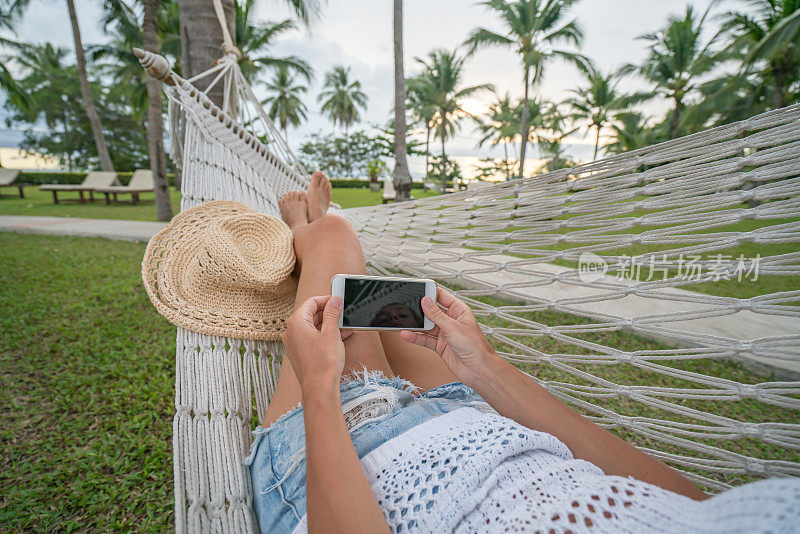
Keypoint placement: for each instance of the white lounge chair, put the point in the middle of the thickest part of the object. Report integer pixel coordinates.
(389, 194)
(141, 182)
(93, 181)
(8, 178)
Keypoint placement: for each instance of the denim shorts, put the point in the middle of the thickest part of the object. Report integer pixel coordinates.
(376, 410)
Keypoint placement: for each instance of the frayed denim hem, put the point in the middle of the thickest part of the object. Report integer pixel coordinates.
(365, 379)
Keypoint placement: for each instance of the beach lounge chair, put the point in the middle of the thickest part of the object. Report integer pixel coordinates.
(8, 178)
(141, 182)
(92, 181)
(389, 193)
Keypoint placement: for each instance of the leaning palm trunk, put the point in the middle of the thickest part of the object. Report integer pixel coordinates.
(402, 178)
(86, 93)
(155, 126)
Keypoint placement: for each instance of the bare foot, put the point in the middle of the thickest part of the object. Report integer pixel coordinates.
(319, 196)
(294, 208)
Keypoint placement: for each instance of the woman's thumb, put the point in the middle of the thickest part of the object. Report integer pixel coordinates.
(330, 316)
(435, 313)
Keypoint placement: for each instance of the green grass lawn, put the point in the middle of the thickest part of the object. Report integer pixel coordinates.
(86, 370)
(87, 375)
(41, 203)
(355, 198)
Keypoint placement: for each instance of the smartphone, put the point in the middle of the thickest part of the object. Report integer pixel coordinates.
(382, 302)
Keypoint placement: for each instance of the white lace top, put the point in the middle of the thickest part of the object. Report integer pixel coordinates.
(469, 471)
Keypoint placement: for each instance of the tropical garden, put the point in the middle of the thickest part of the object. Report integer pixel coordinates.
(86, 365)
(100, 111)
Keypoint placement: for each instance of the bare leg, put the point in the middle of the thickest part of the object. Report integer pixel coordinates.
(325, 246)
(417, 364)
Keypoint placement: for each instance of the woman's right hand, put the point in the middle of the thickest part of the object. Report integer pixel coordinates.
(457, 338)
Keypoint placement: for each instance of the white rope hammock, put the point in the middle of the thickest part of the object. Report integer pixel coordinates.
(513, 252)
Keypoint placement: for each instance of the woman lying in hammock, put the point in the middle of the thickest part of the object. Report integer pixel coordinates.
(428, 452)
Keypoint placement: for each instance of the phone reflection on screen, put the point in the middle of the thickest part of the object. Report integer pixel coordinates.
(383, 303)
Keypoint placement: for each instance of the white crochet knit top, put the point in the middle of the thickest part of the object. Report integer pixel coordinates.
(470, 471)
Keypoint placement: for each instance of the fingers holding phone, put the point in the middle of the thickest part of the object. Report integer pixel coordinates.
(314, 344)
(457, 338)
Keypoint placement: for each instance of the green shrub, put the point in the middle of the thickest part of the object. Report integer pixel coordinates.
(350, 183)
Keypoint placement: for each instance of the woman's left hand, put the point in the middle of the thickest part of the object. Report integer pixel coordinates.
(314, 344)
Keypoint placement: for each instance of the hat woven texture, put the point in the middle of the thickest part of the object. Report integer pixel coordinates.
(223, 269)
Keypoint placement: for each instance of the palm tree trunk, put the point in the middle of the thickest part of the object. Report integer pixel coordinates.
(523, 131)
(444, 167)
(347, 163)
(402, 178)
(86, 93)
(508, 168)
(155, 125)
(201, 40)
(596, 142)
(780, 84)
(676, 118)
(177, 179)
(427, 149)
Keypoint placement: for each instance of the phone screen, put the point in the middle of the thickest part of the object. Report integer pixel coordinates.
(382, 303)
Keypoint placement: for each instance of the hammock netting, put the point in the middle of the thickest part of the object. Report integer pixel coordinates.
(654, 291)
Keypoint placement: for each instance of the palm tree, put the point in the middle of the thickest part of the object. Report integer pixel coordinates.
(771, 35)
(441, 80)
(631, 131)
(43, 73)
(255, 39)
(535, 29)
(342, 97)
(10, 10)
(86, 92)
(155, 121)
(677, 59)
(598, 101)
(422, 103)
(402, 178)
(117, 60)
(284, 104)
(500, 125)
(201, 40)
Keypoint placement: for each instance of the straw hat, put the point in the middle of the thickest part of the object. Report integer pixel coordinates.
(223, 269)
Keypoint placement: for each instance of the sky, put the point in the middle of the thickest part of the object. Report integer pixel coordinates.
(358, 33)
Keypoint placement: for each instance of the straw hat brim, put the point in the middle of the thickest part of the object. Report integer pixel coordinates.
(170, 252)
